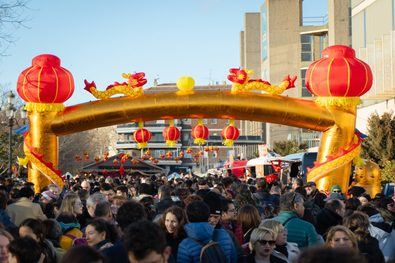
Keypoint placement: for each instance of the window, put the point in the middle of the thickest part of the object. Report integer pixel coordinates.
(305, 91)
(214, 121)
(204, 121)
(306, 42)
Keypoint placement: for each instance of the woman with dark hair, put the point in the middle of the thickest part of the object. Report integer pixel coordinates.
(172, 222)
(249, 219)
(83, 254)
(101, 234)
(358, 223)
(352, 205)
(24, 250)
(53, 232)
(33, 228)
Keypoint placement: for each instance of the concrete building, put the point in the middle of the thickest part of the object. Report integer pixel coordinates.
(373, 38)
(288, 44)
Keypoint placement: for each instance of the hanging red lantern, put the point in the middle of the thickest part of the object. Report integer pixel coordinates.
(162, 156)
(181, 154)
(189, 150)
(230, 133)
(45, 81)
(338, 74)
(169, 155)
(142, 136)
(200, 133)
(171, 134)
(121, 171)
(115, 162)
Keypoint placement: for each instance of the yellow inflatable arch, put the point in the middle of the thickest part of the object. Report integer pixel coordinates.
(332, 114)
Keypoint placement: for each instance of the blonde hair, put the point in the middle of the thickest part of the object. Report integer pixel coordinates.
(68, 203)
(258, 234)
(332, 231)
(272, 225)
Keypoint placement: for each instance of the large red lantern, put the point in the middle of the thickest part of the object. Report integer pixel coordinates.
(230, 133)
(338, 74)
(142, 136)
(200, 133)
(45, 81)
(171, 134)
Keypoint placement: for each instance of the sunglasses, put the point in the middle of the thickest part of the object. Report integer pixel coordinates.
(264, 242)
(336, 191)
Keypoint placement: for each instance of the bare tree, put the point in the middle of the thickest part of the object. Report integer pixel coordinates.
(12, 17)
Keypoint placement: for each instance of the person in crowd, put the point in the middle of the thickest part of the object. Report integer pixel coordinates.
(297, 183)
(86, 186)
(103, 211)
(122, 190)
(383, 231)
(165, 201)
(71, 229)
(24, 208)
(199, 231)
(4, 217)
(172, 222)
(352, 205)
(5, 239)
(25, 250)
(356, 191)
(83, 254)
(215, 203)
(331, 215)
(364, 198)
(358, 223)
(34, 229)
(341, 237)
(329, 255)
(71, 204)
(262, 196)
(53, 232)
(101, 234)
(299, 231)
(229, 220)
(92, 202)
(146, 242)
(243, 197)
(117, 202)
(108, 191)
(249, 219)
(287, 251)
(314, 195)
(128, 213)
(335, 189)
(262, 245)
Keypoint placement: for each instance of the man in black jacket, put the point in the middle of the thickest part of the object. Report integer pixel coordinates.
(331, 215)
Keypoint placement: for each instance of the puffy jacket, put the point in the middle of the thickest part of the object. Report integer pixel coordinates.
(189, 250)
(299, 231)
(385, 234)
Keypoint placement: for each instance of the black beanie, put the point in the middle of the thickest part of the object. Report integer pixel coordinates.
(214, 201)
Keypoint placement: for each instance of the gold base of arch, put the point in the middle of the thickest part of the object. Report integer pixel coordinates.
(336, 123)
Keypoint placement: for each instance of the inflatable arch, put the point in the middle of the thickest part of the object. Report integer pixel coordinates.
(337, 80)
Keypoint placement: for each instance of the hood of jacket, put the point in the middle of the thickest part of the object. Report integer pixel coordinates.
(202, 231)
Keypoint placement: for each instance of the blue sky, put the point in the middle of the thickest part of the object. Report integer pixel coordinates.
(99, 40)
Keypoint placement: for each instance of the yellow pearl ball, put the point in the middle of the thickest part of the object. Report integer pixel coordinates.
(185, 83)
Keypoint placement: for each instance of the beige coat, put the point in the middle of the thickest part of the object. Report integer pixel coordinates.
(23, 209)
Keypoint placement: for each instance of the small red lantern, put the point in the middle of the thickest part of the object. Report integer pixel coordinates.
(338, 74)
(162, 156)
(189, 150)
(169, 155)
(115, 162)
(142, 136)
(171, 134)
(200, 133)
(45, 81)
(147, 152)
(230, 133)
(181, 154)
(97, 159)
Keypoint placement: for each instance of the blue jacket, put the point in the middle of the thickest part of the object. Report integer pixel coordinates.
(189, 250)
(6, 220)
(299, 231)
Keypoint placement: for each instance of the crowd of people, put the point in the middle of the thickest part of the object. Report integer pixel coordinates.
(192, 219)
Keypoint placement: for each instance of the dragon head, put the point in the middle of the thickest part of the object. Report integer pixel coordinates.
(135, 80)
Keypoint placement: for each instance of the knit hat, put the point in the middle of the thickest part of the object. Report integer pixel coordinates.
(214, 201)
(335, 187)
(48, 195)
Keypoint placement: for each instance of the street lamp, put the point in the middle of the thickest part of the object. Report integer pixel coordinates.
(10, 111)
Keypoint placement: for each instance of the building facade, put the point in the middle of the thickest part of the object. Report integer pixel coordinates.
(288, 43)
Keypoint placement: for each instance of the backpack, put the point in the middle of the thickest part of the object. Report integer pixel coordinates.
(72, 238)
(211, 252)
